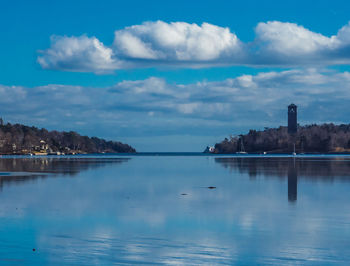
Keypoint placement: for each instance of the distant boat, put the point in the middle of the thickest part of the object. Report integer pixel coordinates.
(242, 151)
(294, 153)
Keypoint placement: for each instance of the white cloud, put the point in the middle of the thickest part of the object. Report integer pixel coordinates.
(182, 44)
(131, 46)
(177, 41)
(82, 54)
(343, 35)
(291, 39)
(187, 108)
(246, 81)
(285, 43)
(151, 85)
(10, 95)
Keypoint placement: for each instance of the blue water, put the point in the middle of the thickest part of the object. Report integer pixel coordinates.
(159, 209)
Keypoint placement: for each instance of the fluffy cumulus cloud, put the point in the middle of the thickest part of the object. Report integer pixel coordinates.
(82, 54)
(154, 106)
(182, 44)
(289, 43)
(286, 43)
(292, 39)
(178, 41)
(149, 44)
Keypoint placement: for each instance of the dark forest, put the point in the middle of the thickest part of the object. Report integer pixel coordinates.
(20, 139)
(325, 138)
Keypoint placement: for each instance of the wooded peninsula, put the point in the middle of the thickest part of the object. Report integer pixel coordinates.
(20, 139)
(325, 138)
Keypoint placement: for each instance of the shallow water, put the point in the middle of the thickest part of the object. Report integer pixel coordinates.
(106, 210)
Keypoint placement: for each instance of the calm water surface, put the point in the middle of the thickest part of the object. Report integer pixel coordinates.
(107, 210)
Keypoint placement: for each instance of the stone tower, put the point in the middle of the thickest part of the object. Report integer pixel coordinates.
(292, 119)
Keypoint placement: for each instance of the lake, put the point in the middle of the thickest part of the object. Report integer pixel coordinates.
(189, 209)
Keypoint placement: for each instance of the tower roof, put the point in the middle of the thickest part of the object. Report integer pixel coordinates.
(292, 105)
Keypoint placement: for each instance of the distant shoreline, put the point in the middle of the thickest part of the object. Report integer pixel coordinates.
(171, 154)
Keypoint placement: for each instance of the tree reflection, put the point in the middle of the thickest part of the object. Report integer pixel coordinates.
(17, 170)
(318, 169)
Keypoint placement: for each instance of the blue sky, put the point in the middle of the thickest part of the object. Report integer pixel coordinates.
(176, 75)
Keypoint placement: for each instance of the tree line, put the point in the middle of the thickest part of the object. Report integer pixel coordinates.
(313, 138)
(19, 139)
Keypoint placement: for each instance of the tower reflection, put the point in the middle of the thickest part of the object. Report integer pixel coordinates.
(292, 182)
